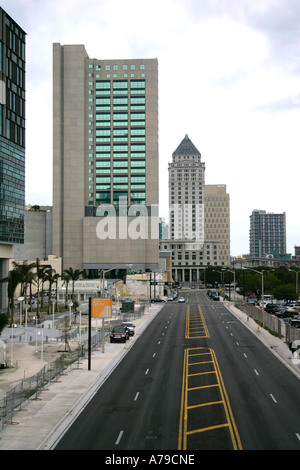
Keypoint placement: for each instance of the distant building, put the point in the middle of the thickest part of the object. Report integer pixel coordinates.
(217, 219)
(199, 217)
(163, 229)
(12, 141)
(267, 234)
(38, 234)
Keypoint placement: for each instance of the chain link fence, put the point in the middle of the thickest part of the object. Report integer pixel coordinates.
(275, 325)
(30, 388)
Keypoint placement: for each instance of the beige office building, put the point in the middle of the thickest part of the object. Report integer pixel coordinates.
(217, 219)
(105, 161)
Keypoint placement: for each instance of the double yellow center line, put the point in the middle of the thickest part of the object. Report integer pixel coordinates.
(206, 419)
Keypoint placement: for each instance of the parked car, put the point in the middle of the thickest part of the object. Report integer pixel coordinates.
(287, 319)
(170, 297)
(270, 307)
(157, 299)
(119, 334)
(282, 313)
(277, 310)
(130, 326)
(295, 322)
(181, 299)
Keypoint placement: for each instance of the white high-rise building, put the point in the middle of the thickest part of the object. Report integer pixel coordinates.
(199, 214)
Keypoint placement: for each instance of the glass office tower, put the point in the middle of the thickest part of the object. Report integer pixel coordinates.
(12, 130)
(267, 234)
(12, 141)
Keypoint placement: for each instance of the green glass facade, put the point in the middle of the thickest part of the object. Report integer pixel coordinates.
(12, 130)
(117, 135)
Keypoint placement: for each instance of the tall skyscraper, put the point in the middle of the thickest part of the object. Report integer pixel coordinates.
(12, 140)
(105, 160)
(186, 192)
(267, 233)
(196, 239)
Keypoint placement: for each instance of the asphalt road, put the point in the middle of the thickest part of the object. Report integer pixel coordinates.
(195, 379)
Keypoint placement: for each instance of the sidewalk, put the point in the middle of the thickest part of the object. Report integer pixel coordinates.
(39, 426)
(277, 346)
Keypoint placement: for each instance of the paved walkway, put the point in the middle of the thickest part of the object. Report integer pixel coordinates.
(39, 426)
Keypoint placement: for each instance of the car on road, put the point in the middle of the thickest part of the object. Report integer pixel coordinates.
(130, 326)
(119, 334)
(170, 297)
(181, 299)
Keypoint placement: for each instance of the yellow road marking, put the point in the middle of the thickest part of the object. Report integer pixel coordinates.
(224, 401)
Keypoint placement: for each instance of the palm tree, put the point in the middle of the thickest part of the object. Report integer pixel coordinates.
(39, 276)
(66, 278)
(13, 279)
(52, 277)
(74, 276)
(27, 276)
(56, 277)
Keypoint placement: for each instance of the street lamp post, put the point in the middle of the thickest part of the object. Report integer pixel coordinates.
(233, 272)
(80, 308)
(20, 299)
(262, 286)
(53, 303)
(70, 313)
(42, 345)
(297, 273)
(27, 306)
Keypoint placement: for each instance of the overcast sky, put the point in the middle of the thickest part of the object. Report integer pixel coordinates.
(236, 93)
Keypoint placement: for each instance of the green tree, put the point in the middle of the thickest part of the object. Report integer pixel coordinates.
(13, 279)
(4, 320)
(74, 275)
(285, 292)
(39, 276)
(49, 274)
(27, 277)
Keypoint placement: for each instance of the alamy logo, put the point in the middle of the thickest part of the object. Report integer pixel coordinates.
(141, 222)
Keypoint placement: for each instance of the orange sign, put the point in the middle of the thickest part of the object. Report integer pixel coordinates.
(101, 308)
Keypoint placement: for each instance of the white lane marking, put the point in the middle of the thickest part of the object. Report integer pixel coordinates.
(119, 437)
(298, 436)
(256, 372)
(136, 397)
(245, 355)
(273, 398)
(146, 371)
(154, 355)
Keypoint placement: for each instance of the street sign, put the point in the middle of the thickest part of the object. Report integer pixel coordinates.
(101, 307)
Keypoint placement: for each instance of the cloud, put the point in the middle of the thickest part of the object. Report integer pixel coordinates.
(228, 77)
